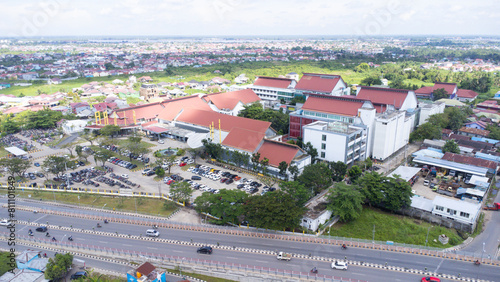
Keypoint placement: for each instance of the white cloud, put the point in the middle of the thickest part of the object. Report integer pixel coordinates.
(239, 17)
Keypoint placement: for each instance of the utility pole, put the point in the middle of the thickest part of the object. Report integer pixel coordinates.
(373, 238)
(427, 236)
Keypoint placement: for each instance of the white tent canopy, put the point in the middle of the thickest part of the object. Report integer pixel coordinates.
(16, 151)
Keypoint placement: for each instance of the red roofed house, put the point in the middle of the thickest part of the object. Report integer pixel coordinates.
(326, 84)
(274, 88)
(492, 166)
(426, 91)
(473, 132)
(465, 95)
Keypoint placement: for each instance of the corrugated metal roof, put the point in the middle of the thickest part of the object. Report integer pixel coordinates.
(405, 172)
(451, 165)
(421, 203)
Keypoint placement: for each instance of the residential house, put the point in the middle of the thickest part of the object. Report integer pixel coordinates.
(317, 213)
(77, 108)
(146, 272)
(54, 80)
(461, 211)
(149, 91)
(473, 132)
(477, 124)
(145, 79)
(426, 92)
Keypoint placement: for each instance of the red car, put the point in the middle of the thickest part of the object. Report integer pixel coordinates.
(430, 279)
(182, 164)
(170, 181)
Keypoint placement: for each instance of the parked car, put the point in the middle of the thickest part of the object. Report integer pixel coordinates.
(78, 275)
(430, 279)
(37, 164)
(144, 172)
(204, 250)
(194, 177)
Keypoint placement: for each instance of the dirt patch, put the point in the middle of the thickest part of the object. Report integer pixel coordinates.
(186, 215)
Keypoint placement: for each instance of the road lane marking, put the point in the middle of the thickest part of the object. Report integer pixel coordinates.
(103, 242)
(231, 258)
(262, 261)
(151, 248)
(439, 265)
(127, 245)
(175, 251)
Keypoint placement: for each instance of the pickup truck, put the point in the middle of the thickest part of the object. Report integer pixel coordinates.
(284, 256)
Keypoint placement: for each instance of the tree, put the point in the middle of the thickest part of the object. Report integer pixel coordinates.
(294, 171)
(371, 80)
(8, 125)
(282, 166)
(69, 147)
(440, 93)
(310, 150)
(362, 67)
(372, 184)
(226, 205)
(15, 166)
(264, 163)
(255, 160)
(274, 210)
(89, 137)
(456, 117)
(345, 201)
(354, 173)
(58, 165)
(214, 150)
(397, 194)
(268, 180)
(317, 177)
(135, 146)
(160, 172)
(110, 130)
(102, 155)
(439, 120)
(298, 191)
(339, 170)
(58, 267)
(194, 152)
(451, 146)
(425, 131)
(181, 191)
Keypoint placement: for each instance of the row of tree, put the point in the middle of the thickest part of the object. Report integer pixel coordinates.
(453, 118)
(43, 119)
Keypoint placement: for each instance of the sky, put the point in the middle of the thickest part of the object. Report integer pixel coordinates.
(248, 18)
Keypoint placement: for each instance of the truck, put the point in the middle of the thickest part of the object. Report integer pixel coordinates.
(284, 256)
(492, 207)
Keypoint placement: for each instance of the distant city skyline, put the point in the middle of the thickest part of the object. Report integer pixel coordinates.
(32, 18)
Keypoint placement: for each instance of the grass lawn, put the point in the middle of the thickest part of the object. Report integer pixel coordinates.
(122, 142)
(3, 152)
(396, 228)
(128, 204)
(4, 259)
(201, 276)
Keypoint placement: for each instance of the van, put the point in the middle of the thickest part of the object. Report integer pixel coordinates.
(452, 173)
(152, 233)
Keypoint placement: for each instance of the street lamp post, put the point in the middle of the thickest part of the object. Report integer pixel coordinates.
(427, 236)
(102, 209)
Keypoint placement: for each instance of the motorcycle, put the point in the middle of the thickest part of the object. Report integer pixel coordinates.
(54, 239)
(344, 247)
(106, 221)
(314, 270)
(30, 234)
(47, 235)
(155, 226)
(98, 225)
(70, 238)
(477, 262)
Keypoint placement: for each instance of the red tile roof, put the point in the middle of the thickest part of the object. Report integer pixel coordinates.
(243, 139)
(227, 122)
(426, 90)
(318, 82)
(275, 82)
(448, 87)
(464, 93)
(277, 152)
(448, 156)
(229, 100)
(383, 96)
(343, 105)
(100, 107)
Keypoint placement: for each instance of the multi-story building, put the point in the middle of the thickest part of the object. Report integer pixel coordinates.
(149, 91)
(325, 84)
(274, 88)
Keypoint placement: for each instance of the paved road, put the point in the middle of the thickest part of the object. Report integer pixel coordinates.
(490, 235)
(373, 256)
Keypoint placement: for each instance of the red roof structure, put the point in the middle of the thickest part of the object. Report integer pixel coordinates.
(466, 94)
(229, 100)
(475, 131)
(448, 156)
(342, 105)
(243, 139)
(383, 96)
(314, 82)
(277, 152)
(275, 82)
(448, 87)
(227, 122)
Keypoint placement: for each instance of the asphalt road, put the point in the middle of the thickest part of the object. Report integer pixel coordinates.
(466, 269)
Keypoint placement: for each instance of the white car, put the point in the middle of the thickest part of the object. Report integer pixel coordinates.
(161, 142)
(125, 176)
(5, 222)
(339, 265)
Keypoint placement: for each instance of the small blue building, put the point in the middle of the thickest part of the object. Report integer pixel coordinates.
(146, 273)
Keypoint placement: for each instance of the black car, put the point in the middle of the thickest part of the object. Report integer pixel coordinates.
(149, 173)
(204, 250)
(78, 275)
(194, 177)
(42, 229)
(33, 185)
(229, 181)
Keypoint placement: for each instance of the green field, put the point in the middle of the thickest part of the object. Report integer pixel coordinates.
(396, 228)
(4, 259)
(126, 204)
